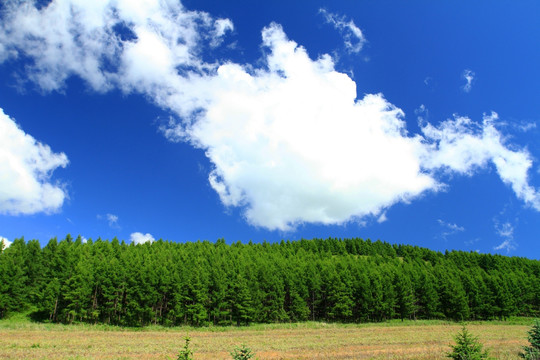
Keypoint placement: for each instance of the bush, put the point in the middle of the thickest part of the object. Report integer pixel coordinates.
(467, 347)
(532, 352)
(242, 353)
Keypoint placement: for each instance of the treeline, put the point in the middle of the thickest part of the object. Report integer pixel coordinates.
(350, 280)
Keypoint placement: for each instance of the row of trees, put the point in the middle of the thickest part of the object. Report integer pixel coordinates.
(350, 280)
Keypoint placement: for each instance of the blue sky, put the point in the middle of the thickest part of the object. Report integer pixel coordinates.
(410, 122)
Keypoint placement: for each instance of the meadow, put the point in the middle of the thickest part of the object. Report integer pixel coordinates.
(23, 339)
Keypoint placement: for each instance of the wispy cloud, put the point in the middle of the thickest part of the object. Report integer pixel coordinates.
(352, 35)
(140, 238)
(462, 146)
(525, 126)
(506, 232)
(221, 27)
(471, 242)
(449, 229)
(468, 75)
(111, 219)
(382, 218)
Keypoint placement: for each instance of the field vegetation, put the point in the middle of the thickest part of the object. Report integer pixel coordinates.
(22, 339)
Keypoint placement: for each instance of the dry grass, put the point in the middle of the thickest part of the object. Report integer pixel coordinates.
(421, 340)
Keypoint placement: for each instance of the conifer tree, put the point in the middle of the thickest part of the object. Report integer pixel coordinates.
(532, 352)
(467, 347)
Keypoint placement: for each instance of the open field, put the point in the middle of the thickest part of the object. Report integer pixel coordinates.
(396, 340)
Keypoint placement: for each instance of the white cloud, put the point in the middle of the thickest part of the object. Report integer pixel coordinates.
(290, 141)
(525, 126)
(140, 238)
(468, 75)
(90, 39)
(221, 27)
(26, 166)
(352, 35)
(505, 231)
(382, 218)
(4, 243)
(450, 226)
(449, 229)
(462, 146)
(112, 219)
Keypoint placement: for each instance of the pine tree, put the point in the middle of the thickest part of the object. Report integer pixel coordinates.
(532, 352)
(242, 353)
(242, 304)
(405, 296)
(467, 347)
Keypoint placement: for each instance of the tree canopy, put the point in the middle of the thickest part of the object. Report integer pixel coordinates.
(200, 283)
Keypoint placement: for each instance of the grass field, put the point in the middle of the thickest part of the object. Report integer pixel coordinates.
(20, 339)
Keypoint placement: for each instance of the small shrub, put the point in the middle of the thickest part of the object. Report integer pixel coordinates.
(532, 352)
(467, 347)
(242, 353)
(185, 353)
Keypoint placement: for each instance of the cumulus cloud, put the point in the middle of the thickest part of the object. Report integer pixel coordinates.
(468, 76)
(354, 37)
(4, 243)
(26, 166)
(140, 238)
(290, 141)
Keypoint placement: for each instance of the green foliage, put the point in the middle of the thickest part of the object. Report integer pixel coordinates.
(467, 347)
(532, 352)
(242, 353)
(185, 353)
(203, 283)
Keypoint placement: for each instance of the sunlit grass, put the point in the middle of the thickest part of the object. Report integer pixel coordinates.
(20, 338)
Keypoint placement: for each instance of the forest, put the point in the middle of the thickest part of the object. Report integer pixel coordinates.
(202, 283)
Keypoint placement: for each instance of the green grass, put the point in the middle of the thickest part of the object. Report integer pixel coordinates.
(24, 321)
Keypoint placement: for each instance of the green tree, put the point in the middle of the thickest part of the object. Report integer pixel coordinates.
(13, 278)
(241, 302)
(467, 347)
(532, 352)
(428, 297)
(242, 353)
(405, 296)
(340, 303)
